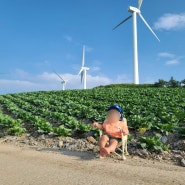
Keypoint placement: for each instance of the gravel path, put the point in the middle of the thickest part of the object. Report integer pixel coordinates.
(25, 166)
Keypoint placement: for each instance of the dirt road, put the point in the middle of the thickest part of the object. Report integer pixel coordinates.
(24, 166)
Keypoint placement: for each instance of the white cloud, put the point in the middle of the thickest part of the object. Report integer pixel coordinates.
(75, 67)
(20, 73)
(73, 81)
(172, 62)
(171, 59)
(95, 66)
(68, 38)
(13, 86)
(45, 76)
(171, 22)
(166, 55)
(44, 63)
(50, 81)
(88, 49)
(123, 79)
(98, 80)
(97, 62)
(17, 83)
(94, 69)
(69, 56)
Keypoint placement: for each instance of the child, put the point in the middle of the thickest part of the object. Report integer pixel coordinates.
(112, 128)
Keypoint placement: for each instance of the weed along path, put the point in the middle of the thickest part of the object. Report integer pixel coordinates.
(23, 166)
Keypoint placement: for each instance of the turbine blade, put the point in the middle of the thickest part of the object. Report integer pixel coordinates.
(83, 56)
(140, 3)
(80, 71)
(149, 27)
(122, 22)
(59, 76)
(82, 76)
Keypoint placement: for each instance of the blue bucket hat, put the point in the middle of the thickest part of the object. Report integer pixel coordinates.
(118, 108)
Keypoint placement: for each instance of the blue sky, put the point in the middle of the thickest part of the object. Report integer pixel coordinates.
(39, 36)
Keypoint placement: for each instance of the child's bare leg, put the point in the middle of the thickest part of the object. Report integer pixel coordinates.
(112, 146)
(102, 143)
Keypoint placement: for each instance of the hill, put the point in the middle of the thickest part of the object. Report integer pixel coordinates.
(127, 86)
(153, 114)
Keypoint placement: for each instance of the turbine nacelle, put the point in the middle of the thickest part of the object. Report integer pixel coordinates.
(133, 9)
(83, 70)
(63, 82)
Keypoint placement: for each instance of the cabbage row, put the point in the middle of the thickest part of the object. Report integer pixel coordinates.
(66, 113)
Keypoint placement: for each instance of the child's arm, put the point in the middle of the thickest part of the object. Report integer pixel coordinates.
(97, 125)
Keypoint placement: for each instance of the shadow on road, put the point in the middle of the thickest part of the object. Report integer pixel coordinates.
(79, 155)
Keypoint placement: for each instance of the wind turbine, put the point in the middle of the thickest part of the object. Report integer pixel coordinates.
(83, 70)
(63, 81)
(134, 11)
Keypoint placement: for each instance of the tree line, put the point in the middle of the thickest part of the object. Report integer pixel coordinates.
(161, 83)
(171, 83)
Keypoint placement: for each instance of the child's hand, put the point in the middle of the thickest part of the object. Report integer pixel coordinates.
(123, 131)
(95, 124)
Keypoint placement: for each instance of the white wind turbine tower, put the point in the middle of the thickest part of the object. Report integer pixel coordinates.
(134, 12)
(83, 70)
(63, 81)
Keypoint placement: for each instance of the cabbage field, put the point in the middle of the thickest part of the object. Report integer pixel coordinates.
(68, 113)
